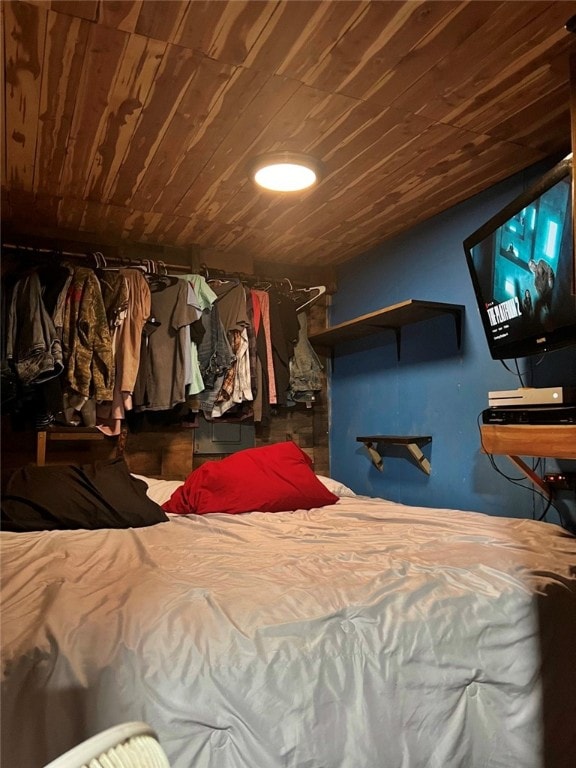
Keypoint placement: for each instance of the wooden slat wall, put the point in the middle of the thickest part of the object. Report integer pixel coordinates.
(24, 54)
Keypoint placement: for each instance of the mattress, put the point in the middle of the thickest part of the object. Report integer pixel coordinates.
(360, 635)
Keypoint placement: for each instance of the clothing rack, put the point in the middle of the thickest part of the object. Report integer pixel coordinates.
(98, 259)
(303, 296)
(157, 267)
(283, 283)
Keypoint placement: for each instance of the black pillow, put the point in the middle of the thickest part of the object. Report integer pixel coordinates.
(99, 495)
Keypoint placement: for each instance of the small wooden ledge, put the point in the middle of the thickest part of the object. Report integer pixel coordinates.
(376, 446)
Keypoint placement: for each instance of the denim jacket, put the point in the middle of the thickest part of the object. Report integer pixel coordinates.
(32, 345)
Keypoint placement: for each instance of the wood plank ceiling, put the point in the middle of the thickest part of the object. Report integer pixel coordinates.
(135, 120)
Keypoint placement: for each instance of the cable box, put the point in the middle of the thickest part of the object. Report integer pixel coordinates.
(552, 414)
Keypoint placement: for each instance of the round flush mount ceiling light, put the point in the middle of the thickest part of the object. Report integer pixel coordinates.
(285, 171)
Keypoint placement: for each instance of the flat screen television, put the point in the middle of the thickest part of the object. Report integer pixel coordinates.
(522, 266)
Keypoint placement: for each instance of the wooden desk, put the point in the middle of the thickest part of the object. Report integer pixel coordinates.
(555, 441)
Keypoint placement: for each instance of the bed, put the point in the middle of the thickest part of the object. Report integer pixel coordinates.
(357, 634)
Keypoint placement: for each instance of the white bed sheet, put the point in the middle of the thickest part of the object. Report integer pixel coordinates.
(366, 634)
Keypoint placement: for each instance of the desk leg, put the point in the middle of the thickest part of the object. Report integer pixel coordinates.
(41, 449)
(532, 476)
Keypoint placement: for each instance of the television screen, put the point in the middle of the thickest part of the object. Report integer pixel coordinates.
(522, 266)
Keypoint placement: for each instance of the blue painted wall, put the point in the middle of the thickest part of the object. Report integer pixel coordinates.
(435, 389)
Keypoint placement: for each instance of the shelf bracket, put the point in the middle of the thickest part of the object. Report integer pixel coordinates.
(398, 334)
(375, 457)
(457, 315)
(532, 476)
(423, 462)
(376, 446)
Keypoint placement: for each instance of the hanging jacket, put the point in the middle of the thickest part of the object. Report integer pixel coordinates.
(32, 346)
(305, 367)
(114, 290)
(86, 339)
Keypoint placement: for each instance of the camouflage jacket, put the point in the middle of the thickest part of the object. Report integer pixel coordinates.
(86, 340)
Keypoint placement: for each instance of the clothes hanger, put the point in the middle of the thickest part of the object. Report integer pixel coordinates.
(223, 280)
(262, 285)
(104, 266)
(218, 276)
(157, 279)
(305, 297)
(99, 260)
(163, 272)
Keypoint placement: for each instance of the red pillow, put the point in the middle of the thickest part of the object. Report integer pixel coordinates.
(274, 478)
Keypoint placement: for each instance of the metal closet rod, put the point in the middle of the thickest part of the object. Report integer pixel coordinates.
(211, 273)
(122, 261)
(125, 261)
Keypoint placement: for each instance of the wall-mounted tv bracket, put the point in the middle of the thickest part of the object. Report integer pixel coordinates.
(410, 448)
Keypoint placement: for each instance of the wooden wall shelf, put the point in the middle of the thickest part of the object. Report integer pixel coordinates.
(555, 441)
(376, 446)
(392, 318)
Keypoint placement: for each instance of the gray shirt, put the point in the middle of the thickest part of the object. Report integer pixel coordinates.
(162, 373)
